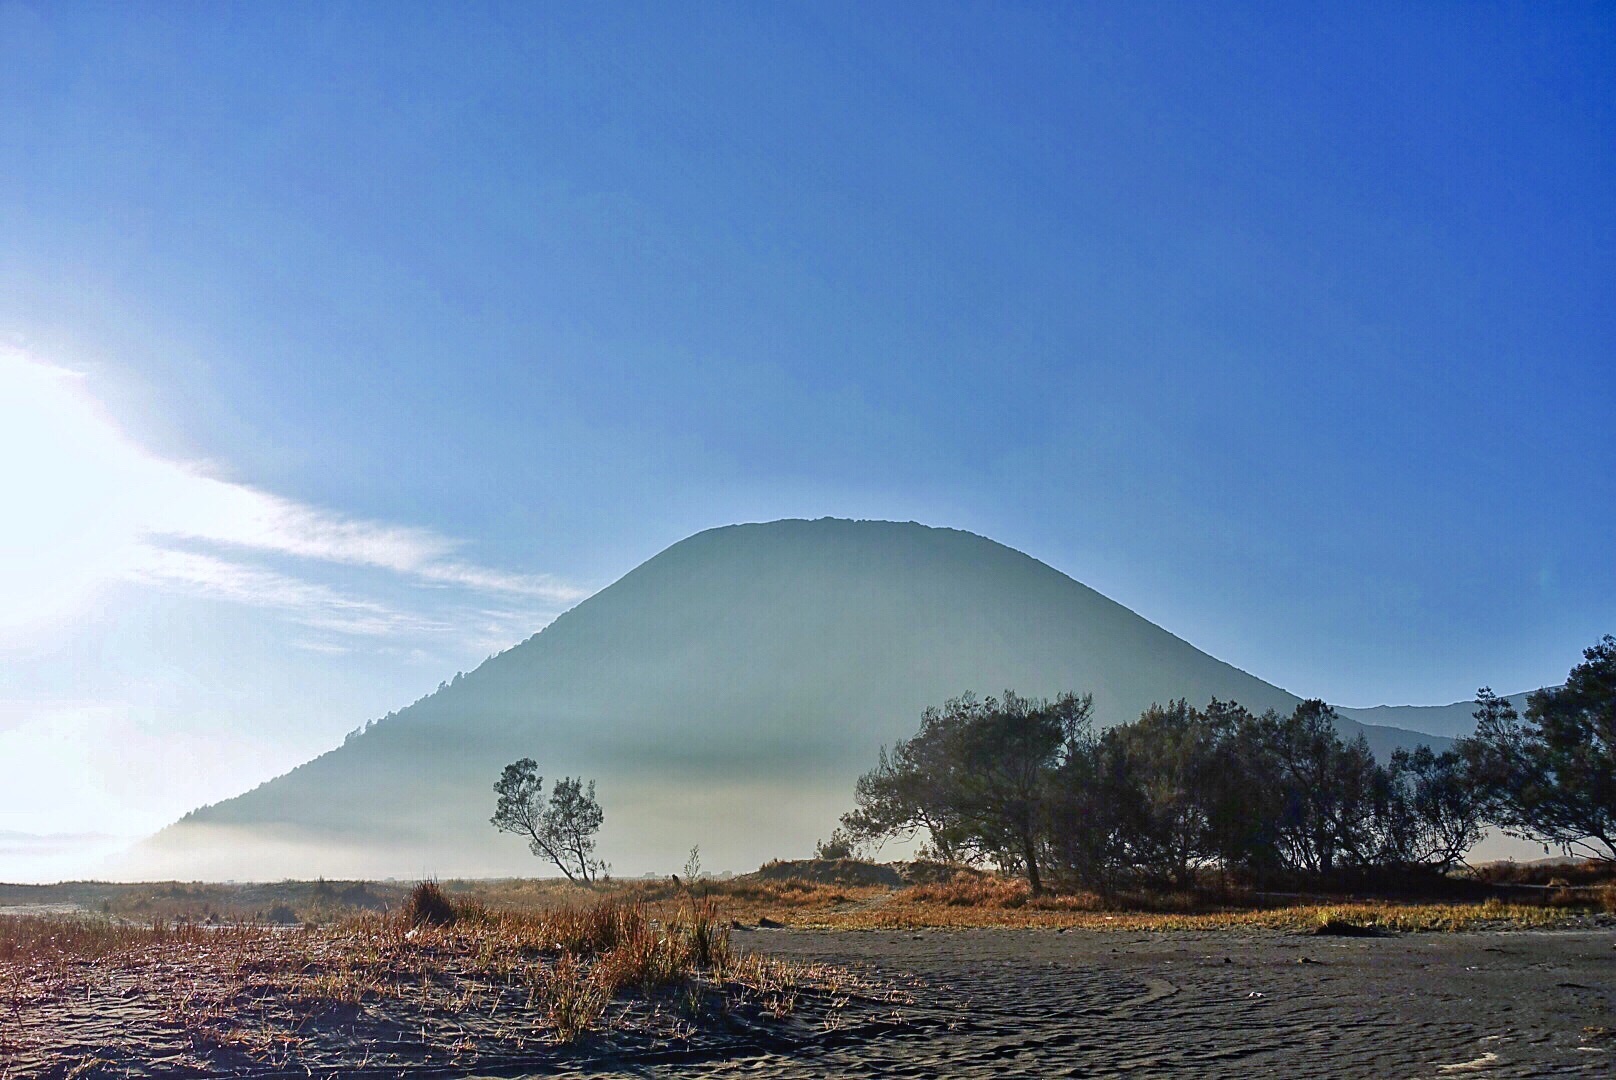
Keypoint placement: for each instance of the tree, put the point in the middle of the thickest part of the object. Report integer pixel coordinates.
(914, 787)
(562, 830)
(1439, 810)
(1247, 800)
(975, 777)
(1009, 750)
(1087, 834)
(1552, 779)
(1171, 765)
(1332, 791)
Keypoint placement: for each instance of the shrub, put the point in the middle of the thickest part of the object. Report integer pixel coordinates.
(1333, 924)
(427, 905)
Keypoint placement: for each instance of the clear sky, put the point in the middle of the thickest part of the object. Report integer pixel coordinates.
(344, 344)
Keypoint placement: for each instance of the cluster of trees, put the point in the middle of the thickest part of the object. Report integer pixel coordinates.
(1028, 785)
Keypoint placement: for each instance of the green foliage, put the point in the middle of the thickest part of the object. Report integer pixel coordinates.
(975, 778)
(1027, 785)
(562, 830)
(1552, 778)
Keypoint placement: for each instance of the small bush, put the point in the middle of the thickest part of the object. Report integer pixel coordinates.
(428, 906)
(841, 845)
(281, 915)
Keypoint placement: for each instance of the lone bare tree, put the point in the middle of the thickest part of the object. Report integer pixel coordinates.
(562, 830)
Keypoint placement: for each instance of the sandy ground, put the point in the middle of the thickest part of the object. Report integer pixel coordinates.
(967, 1003)
(1222, 1004)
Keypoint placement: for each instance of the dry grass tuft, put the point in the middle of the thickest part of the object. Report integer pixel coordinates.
(574, 998)
(427, 906)
(708, 935)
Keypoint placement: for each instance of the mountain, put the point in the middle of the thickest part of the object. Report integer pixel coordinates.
(726, 693)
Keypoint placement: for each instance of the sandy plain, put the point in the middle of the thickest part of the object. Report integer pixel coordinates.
(1027, 1002)
(1239, 1004)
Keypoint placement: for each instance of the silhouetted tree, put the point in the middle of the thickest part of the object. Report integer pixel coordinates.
(1170, 765)
(1086, 834)
(1247, 799)
(1438, 809)
(912, 788)
(975, 778)
(1552, 779)
(1332, 792)
(562, 830)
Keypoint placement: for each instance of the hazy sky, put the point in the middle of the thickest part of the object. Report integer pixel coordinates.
(344, 344)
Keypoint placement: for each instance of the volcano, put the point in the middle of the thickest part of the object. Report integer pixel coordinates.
(726, 693)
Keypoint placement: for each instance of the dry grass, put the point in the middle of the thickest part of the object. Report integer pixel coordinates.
(466, 974)
(902, 914)
(1587, 873)
(555, 974)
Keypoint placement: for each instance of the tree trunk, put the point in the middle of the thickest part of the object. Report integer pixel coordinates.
(1029, 852)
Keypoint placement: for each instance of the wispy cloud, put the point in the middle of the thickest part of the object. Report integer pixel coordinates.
(90, 505)
(308, 603)
(236, 514)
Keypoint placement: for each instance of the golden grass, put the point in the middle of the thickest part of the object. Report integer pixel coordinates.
(252, 988)
(564, 962)
(904, 914)
(990, 901)
(589, 918)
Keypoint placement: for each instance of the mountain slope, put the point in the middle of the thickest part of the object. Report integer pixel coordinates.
(725, 693)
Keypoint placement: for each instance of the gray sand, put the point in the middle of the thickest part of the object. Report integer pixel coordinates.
(1227, 1004)
(974, 1003)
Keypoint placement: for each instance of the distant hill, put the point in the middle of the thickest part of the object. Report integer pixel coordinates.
(725, 693)
(1453, 721)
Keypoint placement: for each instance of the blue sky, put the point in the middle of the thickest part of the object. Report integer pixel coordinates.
(345, 344)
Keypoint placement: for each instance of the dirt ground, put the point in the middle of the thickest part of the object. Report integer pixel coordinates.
(1224, 1004)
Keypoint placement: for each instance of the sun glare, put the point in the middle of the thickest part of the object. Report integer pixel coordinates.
(72, 490)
